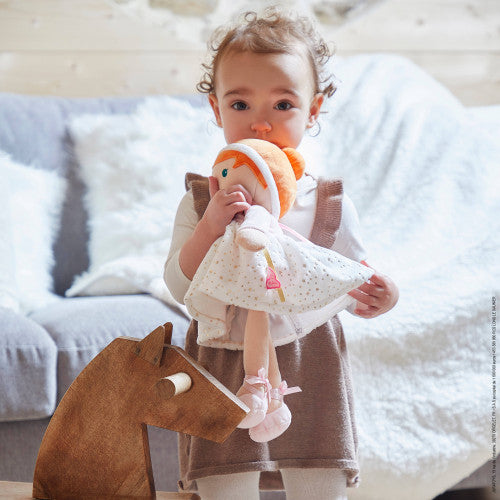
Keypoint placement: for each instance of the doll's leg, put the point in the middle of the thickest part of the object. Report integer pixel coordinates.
(254, 390)
(278, 417)
(256, 345)
(274, 374)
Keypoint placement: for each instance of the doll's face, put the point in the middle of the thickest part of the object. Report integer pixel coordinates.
(229, 176)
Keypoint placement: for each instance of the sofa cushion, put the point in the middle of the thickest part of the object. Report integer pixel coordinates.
(32, 200)
(133, 166)
(33, 131)
(82, 327)
(28, 368)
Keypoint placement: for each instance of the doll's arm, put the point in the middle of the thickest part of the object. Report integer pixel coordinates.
(251, 234)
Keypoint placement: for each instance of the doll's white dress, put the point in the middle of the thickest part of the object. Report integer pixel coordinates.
(292, 277)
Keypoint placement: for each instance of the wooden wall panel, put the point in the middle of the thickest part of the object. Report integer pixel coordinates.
(91, 47)
(421, 26)
(90, 74)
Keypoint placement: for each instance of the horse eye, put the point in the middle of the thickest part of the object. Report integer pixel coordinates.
(224, 173)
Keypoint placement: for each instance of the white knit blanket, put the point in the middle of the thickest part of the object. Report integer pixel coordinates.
(424, 174)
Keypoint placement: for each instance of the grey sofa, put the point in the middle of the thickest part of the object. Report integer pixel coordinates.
(42, 353)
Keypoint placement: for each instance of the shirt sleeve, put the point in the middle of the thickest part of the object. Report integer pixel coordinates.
(349, 240)
(186, 220)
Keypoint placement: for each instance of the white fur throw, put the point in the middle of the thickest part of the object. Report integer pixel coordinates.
(31, 204)
(423, 172)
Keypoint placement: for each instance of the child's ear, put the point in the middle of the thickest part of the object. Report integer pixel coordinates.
(316, 103)
(212, 99)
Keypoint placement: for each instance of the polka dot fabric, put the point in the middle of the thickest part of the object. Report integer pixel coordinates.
(312, 279)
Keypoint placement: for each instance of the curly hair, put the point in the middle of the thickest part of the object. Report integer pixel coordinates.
(273, 32)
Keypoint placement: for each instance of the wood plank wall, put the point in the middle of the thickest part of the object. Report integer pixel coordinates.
(91, 48)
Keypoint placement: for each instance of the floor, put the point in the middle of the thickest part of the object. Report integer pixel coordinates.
(472, 494)
(468, 494)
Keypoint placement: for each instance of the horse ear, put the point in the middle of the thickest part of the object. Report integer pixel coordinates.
(151, 347)
(168, 333)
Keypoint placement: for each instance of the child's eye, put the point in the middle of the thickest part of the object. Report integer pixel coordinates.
(224, 172)
(283, 106)
(239, 106)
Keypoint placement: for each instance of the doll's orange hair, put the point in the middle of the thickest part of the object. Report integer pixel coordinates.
(284, 178)
(240, 160)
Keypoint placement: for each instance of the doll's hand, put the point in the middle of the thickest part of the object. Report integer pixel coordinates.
(377, 296)
(251, 239)
(224, 206)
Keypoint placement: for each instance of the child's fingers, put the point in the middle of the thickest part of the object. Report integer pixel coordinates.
(236, 198)
(239, 188)
(369, 300)
(372, 289)
(379, 279)
(213, 185)
(238, 207)
(366, 311)
(224, 205)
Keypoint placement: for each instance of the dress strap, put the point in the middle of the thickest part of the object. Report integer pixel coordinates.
(201, 194)
(328, 212)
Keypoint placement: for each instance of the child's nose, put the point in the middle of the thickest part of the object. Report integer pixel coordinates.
(260, 125)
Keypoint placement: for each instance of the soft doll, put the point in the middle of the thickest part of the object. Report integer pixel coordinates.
(259, 268)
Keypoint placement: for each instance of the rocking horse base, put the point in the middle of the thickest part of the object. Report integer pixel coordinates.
(22, 491)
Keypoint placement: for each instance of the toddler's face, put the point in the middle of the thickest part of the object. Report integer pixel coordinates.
(265, 96)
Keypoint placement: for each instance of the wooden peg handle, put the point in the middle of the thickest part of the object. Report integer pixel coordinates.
(173, 384)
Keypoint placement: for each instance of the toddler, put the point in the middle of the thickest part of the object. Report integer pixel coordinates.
(266, 82)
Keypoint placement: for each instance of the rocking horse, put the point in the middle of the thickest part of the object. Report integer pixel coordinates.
(96, 445)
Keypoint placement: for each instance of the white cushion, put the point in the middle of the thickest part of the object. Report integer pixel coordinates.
(134, 166)
(32, 199)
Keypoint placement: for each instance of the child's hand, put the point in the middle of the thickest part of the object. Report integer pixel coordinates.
(377, 296)
(224, 206)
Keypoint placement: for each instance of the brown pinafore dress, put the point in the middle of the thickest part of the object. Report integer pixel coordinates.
(323, 430)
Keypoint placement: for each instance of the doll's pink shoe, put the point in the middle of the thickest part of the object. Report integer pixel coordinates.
(257, 400)
(277, 421)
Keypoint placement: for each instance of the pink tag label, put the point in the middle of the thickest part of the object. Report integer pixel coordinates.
(271, 280)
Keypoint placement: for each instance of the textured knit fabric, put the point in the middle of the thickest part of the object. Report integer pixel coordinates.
(323, 431)
(314, 484)
(244, 485)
